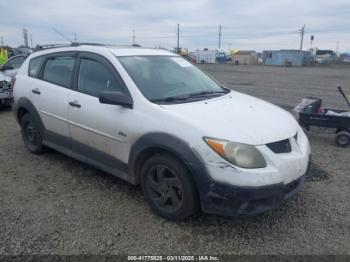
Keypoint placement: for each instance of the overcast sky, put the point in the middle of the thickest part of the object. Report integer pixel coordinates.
(252, 24)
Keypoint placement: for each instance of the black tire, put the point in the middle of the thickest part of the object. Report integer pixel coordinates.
(169, 188)
(31, 134)
(343, 138)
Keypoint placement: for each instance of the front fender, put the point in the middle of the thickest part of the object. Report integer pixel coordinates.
(177, 147)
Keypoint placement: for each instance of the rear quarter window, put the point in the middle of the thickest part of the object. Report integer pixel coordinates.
(35, 65)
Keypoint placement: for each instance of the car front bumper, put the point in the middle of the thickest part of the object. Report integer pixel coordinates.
(229, 190)
(247, 201)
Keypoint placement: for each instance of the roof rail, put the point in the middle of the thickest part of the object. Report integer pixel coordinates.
(79, 44)
(99, 44)
(43, 47)
(49, 46)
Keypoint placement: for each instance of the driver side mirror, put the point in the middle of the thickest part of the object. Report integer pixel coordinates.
(116, 98)
(6, 67)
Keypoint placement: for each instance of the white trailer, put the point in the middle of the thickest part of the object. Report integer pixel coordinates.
(205, 56)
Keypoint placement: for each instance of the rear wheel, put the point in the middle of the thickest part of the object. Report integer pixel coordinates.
(343, 138)
(31, 134)
(168, 187)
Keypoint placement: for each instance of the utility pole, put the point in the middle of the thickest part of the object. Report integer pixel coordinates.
(133, 37)
(178, 39)
(2, 41)
(75, 37)
(337, 49)
(31, 40)
(219, 37)
(25, 37)
(302, 32)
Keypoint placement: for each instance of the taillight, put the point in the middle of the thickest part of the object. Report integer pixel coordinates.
(12, 83)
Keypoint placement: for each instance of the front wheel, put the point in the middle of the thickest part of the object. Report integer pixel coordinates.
(31, 134)
(343, 138)
(169, 188)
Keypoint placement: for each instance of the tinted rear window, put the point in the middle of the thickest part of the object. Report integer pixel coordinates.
(59, 70)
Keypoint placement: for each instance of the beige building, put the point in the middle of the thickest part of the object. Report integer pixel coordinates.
(245, 58)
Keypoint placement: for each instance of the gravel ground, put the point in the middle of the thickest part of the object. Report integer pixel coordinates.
(51, 204)
(285, 86)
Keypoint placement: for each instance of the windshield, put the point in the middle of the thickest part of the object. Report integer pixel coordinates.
(170, 79)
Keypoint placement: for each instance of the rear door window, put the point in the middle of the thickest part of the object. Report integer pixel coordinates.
(59, 70)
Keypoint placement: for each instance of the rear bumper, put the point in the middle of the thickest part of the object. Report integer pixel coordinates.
(247, 201)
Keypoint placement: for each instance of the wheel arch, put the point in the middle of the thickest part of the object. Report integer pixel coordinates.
(342, 130)
(23, 106)
(154, 143)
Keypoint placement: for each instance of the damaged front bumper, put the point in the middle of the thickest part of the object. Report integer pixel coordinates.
(6, 96)
(247, 201)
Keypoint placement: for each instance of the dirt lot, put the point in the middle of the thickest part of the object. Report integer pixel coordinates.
(51, 204)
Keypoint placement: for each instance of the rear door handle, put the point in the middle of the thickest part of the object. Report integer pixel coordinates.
(75, 103)
(36, 91)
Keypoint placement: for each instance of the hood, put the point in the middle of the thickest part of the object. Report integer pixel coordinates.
(237, 117)
(4, 77)
(10, 73)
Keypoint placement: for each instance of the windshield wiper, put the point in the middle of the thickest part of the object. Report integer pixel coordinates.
(170, 99)
(209, 92)
(189, 96)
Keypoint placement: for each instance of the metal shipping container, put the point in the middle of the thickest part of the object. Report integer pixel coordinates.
(205, 56)
(287, 58)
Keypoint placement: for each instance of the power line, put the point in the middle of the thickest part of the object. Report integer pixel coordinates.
(62, 35)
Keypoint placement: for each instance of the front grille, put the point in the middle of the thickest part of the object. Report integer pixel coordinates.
(279, 147)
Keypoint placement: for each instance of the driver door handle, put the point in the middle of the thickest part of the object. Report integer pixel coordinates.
(36, 91)
(75, 103)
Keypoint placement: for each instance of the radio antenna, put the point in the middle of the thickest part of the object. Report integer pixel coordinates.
(62, 35)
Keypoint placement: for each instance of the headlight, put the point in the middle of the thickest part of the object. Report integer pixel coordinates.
(241, 155)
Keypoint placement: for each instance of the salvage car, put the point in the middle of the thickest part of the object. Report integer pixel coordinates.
(7, 71)
(11, 66)
(152, 118)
